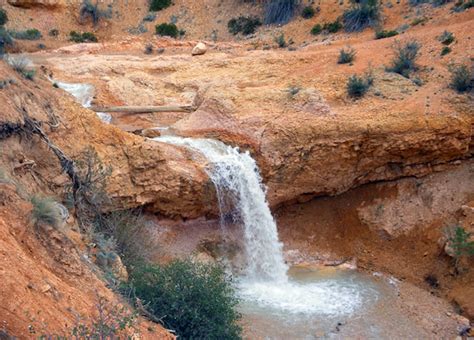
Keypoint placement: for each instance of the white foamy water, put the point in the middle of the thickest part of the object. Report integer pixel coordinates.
(84, 93)
(265, 284)
(242, 201)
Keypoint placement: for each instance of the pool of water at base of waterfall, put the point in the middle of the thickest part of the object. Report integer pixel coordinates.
(326, 303)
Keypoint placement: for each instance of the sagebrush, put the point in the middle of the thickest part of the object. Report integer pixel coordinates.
(404, 60)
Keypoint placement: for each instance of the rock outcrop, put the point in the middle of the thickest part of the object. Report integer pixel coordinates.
(291, 110)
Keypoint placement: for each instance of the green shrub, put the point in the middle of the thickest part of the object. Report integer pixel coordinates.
(82, 37)
(405, 57)
(308, 12)
(346, 55)
(3, 17)
(358, 86)
(462, 5)
(280, 40)
(445, 50)
(317, 29)
(195, 300)
(29, 34)
(385, 34)
(446, 38)
(460, 243)
(332, 27)
(5, 40)
(280, 11)
(461, 78)
(244, 25)
(361, 14)
(46, 210)
(158, 5)
(458, 240)
(165, 29)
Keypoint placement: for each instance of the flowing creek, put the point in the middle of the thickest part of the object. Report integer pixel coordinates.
(278, 302)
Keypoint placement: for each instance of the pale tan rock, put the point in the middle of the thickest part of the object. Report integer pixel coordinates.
(199, 49)
(151, 133)
(33, 3)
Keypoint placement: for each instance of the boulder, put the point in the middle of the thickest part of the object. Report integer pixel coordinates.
(199, 49)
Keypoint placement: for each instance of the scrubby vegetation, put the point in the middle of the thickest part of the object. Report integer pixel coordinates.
(280, 11)
(90, 10)
(195, 300)
(462, 5)
(244, 25)
(433, 2)
(332, 27)
(446, 38)
(148, 49)
(3, 17)
(20, 64)
(461, 78)
(346, 56)
(5, 40)
(419, 21)
(169, 30)
(158, 5)
(361, 14)
(53, 32)
(45, 210)
(308, 12)
(29, 34)
(82, 37)
(328, 27)
(459, 242)
(404, 61)
(385, 34)
(357, 86)
(445, 50)
(281, 41)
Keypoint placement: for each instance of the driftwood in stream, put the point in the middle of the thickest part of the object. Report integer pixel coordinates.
(144, 109)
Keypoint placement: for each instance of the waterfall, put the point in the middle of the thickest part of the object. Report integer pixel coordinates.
(83, 94)
(241, 198)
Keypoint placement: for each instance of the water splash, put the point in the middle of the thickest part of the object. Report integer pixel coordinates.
(84, 93)
(242, 201)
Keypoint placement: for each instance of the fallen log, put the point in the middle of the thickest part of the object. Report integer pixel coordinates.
(144, 109)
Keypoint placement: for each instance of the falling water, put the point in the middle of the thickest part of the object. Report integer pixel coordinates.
(242, 201)
(83, 94)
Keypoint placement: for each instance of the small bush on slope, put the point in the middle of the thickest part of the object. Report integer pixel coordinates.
(280, 11)
(405, 57)
(193, 299)
(158, 5)
(165, 29)
(362, 14)
(346, 55)
(461, 78)
(244, 25)
(45, 210)
(3, 17)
